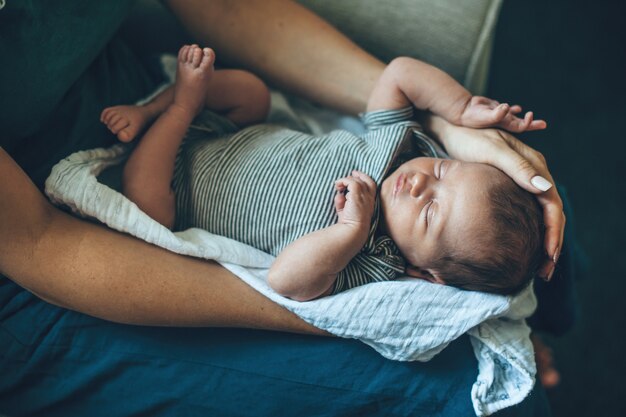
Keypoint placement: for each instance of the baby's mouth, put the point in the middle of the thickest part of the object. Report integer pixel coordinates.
(399, 185)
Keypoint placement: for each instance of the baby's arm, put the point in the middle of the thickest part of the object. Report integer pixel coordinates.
(436, 91)
(308, 267)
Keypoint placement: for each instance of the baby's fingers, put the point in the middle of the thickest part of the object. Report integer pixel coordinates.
(342, 183)
(351, 184)
(484, 101)
(537, 125)
(365, 179)
(340, 201)
(514, 124)
(529, 124)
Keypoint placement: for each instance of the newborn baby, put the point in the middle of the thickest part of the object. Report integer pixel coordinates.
(450, 222)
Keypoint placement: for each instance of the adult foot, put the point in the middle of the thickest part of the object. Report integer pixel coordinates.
(546, 372)
(193, 73)
(125, 121)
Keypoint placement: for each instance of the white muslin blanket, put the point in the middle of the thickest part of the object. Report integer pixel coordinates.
(406, 320)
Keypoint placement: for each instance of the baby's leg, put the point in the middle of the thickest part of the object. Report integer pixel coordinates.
(127, 121)
(238, 95)
(148, 173)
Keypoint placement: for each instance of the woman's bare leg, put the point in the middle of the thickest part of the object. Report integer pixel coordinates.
(95, 270)
(268, 37)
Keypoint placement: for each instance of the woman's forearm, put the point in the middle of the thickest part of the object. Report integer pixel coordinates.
(287, 45)
(87, 267)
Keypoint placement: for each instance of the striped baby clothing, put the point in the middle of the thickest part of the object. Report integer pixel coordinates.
(267, 185)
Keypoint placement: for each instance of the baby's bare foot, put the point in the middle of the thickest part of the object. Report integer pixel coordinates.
(125, 121)
(194, 71)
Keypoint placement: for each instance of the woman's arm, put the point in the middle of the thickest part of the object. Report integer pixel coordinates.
(90, 268)
(285, 44)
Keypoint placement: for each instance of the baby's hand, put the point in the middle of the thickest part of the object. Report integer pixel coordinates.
(354, 202)
(485, 112)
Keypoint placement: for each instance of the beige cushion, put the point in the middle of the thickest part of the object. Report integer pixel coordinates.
(455, 35)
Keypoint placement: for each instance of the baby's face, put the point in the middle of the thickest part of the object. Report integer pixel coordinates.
(430, 204)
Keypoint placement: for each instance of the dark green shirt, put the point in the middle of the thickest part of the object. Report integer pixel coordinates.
(62, 63)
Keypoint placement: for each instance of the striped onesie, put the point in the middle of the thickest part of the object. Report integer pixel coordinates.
(267, 185)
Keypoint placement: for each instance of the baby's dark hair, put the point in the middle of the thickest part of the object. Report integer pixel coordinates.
(507, 252)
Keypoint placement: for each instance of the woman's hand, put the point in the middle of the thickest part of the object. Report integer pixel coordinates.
(523, 164)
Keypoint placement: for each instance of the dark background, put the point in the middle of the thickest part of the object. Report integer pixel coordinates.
(566, 62)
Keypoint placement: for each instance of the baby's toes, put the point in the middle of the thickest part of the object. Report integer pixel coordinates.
(119, 125)
(108, 115)
(182, 52)
(104, 114)
(208, 58)
(190, 51)
(113, 118)
(126, 134)
(196, 57)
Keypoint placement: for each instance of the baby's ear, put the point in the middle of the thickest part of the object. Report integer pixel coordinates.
(420, 273)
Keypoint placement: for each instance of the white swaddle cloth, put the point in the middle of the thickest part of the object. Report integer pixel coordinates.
(406, 320)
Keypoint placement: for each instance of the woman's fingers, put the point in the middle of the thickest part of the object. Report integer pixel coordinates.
(520, 170)
(554, 220)
(528, 168)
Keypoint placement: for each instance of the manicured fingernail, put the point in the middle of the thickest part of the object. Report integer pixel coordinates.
(549, 277)
(557, 253)
(546, 271)
(540, 183)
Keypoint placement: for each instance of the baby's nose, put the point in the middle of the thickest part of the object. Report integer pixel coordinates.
(419, 183)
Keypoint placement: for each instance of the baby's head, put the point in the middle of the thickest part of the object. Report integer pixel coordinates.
(463, 224)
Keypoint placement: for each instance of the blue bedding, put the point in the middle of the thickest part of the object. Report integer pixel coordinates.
(55, 362)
